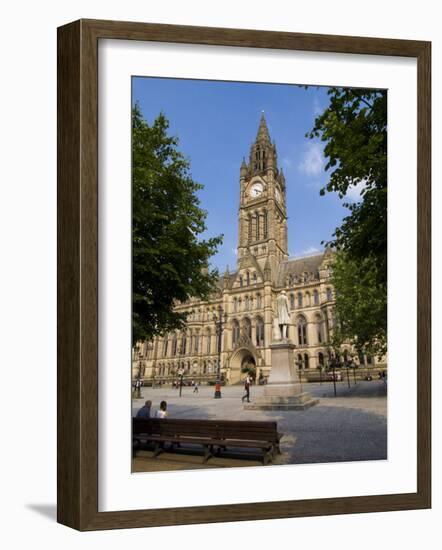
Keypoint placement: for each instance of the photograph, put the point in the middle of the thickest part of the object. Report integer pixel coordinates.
(259, 274)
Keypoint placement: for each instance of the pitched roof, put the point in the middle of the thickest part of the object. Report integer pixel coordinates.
(297, 266)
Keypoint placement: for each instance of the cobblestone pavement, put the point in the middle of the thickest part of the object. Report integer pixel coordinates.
(351, 426)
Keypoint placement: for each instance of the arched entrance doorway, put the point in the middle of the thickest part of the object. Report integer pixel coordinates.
(241, 359)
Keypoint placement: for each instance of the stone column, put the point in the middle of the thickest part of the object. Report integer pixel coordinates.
(283, 378)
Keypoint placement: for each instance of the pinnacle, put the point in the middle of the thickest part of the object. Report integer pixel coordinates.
(263, 132)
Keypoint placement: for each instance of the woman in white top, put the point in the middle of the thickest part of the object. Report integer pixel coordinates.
(162, 411)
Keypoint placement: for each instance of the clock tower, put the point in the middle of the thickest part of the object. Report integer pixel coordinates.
(262, 209)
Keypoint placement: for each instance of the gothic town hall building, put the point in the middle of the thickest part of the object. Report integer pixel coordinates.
(248, 295)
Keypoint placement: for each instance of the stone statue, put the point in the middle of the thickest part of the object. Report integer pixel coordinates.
(282, 310)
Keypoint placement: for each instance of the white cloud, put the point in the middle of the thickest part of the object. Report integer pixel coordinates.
(235, 251)
(354, 192)
(317, 109)
(287, 162)
(309, 251)
(312, 162)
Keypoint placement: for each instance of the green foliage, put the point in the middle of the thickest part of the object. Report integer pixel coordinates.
(250, 370)
(169, 260)
(361, 305)
(354, 129)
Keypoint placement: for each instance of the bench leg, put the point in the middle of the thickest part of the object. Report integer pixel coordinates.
(208, 452)
(268, 456)
(135, 445)
(276, 450)
(220, 449)
(157, 449)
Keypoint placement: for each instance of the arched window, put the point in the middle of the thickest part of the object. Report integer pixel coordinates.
(299, 299)
(174, 344)
(258, 301)
(302, 331)
(292, 301)
(306, 361)
(321, 358)
(235, 305)
(247, 326)
(183, 344)
(248, 278)
(255, 278)
(319, 329)
(247, 303)
(316, 297)
(208, 340)
(329, 294)
(259, 331)
(165, 345)
(235, 331)
(240, 280)
(299, 361)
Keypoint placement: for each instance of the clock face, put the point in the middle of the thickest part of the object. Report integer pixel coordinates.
(256, 190)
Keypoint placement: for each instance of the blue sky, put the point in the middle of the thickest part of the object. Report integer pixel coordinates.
(216, 122)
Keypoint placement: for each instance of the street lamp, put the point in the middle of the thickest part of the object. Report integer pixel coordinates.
(220, 320)
(332, 362)
(138, 385)
(320, 367)
(347, 368)
(299, 365)
(181, 373)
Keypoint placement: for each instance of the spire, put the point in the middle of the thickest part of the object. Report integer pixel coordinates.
(263, 131)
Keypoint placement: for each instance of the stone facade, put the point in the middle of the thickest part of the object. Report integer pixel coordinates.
(248, 295)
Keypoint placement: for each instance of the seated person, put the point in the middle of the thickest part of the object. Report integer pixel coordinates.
(162, 411)
(144, 412)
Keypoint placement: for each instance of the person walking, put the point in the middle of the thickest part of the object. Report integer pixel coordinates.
(162, 411)
(195, 388)
(246, 395)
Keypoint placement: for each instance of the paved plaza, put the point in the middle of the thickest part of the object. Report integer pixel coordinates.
(351, 426)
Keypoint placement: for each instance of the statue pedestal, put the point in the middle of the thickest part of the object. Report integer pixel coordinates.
(283, 390)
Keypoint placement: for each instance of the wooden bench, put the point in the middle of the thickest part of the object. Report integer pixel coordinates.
(213, 435)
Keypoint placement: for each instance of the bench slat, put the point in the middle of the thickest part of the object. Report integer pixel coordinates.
(208, 433)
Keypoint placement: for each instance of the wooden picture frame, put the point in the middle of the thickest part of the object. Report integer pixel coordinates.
(78, 274)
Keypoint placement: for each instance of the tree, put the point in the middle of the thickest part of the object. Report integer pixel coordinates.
(354, 129)
(361, 305)
(169, 259)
